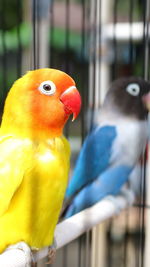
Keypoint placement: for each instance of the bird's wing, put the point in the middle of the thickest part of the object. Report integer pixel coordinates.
(12, 155)
(108, 183)
(93, 158)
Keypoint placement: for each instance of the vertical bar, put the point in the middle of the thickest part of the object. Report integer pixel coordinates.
(147, 76)
(125, 255)
(27, 57)
(142, 213)
(114, 72)
(80, 251)
(43, 33)
(147, 226)
(35, 33)
(83, 259)
(51, 33)
(140, 222)
(110, 244)
(146, 13)
(103, 13)
(131, 7)
(65, 254)
(4, 51)
(67, 69)
(97, 53)
(94, 244)
(92, 61)
(67, 48)
(38, 24)
(19, 52)
(104, 77)
(126, 235)
(146, 39)
(83, 79)
(88, 250)
(114, 76)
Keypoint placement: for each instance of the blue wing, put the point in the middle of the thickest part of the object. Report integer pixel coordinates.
(108, 183)
(93, 158)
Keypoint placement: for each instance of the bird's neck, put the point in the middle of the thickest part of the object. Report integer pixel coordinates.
(22, 129)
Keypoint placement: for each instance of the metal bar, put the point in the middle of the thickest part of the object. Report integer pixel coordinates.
(67, 51)
(79, 251)
(92, 61)
(83, 259)
(102, 15)
(146, 13)
(131, 6)
(4, 55)
(83, 79)
(19, 52)
(97, 53)
(34, 22)
(130, 47)
(125, 255)
(51, 32)
(67, 41)
(91, 55)
(142, 213)
(114, 71)
(147, 226)
(88, 251)
(146, 39)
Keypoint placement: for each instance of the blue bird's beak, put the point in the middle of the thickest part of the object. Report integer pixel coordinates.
(146, 100)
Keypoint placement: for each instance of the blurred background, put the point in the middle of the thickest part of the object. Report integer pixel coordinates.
(95, 41)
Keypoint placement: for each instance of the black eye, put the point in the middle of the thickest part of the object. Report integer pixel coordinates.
(133, 89)
(47, 87)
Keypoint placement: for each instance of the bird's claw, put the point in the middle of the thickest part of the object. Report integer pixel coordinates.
(51, 255)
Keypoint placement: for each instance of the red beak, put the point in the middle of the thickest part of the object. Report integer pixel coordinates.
(146, 100)
(72, 101)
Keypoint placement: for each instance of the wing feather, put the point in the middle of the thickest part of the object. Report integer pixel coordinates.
(93, 158)
(13, 156)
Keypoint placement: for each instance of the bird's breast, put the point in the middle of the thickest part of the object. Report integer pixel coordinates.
(35, 206)
(130, 141)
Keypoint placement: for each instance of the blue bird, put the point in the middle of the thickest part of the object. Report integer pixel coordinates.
(113, 148)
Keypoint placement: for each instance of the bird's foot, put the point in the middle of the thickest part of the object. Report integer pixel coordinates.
(51, 253)
(29, 259)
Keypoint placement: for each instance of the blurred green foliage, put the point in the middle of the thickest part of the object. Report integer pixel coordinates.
(123, 8)
(9, 18)
(11, 37)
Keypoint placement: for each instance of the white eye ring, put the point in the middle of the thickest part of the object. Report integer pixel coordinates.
(47, 88)
(133, 89)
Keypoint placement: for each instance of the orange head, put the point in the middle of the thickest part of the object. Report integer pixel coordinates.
(40, 103)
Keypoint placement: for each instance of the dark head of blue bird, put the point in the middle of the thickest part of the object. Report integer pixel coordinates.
(129, 96)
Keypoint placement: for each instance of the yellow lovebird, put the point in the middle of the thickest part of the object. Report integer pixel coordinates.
(34, 156)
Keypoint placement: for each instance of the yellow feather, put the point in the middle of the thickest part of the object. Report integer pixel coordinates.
(33, 179)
